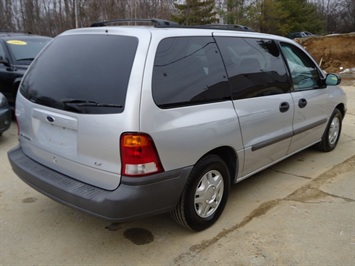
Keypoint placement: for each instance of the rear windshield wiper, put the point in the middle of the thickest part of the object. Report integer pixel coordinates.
(84, 103)
(26, 59)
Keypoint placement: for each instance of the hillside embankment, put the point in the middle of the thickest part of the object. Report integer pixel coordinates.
(335, 54)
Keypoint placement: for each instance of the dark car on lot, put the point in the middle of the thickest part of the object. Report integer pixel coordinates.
(17, 51)
(5, 114)
(301, 34)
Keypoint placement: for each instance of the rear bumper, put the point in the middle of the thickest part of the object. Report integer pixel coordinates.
(133, 198)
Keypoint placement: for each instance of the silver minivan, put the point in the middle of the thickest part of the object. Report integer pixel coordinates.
(130, 121)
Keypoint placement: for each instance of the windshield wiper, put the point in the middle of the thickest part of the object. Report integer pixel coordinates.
(84, 103)
(26, 59)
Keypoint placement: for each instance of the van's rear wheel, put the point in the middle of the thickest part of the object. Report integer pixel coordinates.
(332, 132)
(205, 194)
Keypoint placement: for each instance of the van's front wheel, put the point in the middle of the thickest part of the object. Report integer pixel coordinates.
(332, 132)
(205, 194)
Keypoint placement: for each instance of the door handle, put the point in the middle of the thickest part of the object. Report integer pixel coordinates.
(284, 106)
(302, 103)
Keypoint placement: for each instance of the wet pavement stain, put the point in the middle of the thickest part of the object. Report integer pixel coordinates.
(29, 200)
(139, 236)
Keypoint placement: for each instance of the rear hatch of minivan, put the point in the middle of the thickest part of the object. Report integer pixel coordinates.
(77, 98)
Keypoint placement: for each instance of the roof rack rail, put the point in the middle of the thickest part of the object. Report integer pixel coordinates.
(235, 27)
(162, 23)
(155, 21)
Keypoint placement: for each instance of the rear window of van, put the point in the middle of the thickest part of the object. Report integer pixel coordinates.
(82, 74)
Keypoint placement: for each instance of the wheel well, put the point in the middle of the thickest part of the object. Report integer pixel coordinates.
(341, 108)
(229, 157)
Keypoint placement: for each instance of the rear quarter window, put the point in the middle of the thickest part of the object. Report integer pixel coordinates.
(188, 71)
(82, 73)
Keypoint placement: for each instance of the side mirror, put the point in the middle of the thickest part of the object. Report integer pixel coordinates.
(332, 79)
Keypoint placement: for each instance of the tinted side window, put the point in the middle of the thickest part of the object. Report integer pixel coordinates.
(188, 70)
(255, 67)
(82, 74)
(304, 73)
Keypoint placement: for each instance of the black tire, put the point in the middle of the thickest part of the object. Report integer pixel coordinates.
(331, 134)
(209, 180)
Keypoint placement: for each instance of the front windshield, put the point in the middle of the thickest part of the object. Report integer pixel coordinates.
(26, 49)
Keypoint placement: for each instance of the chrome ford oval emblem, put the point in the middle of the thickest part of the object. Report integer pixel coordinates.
(50, 119)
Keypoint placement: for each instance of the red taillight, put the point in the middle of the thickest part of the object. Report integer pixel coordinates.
(138, 155)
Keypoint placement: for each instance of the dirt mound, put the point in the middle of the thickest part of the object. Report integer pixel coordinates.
(334, 53)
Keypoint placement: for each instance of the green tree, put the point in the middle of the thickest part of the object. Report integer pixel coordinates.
(284, 16)
(234, 11)
(303, 16)
(195, 12)
(273, 17)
